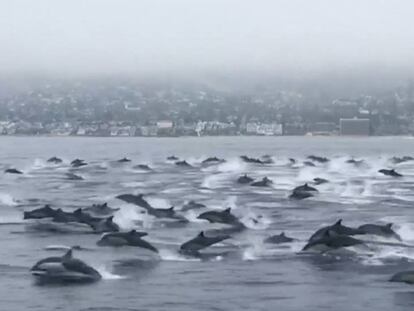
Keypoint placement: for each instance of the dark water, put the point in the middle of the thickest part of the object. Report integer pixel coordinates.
(256, 276)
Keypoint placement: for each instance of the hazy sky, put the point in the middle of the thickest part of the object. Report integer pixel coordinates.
(150, 36)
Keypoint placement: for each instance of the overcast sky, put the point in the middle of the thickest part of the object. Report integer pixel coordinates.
(150, 36)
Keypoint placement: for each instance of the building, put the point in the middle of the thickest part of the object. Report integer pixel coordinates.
(251, 128)
(165, 124)
(165, 128)
(355, 127)
(270, 129)
(150, 130)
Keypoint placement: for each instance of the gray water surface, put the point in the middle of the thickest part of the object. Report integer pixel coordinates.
(256, 276)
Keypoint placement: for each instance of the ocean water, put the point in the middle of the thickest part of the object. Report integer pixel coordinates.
(255, 276)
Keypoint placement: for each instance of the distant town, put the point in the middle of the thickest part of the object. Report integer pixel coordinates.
(128, 109)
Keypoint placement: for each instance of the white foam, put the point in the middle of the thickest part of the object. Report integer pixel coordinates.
(38, 164)
(158, 202)
(108, 275)
(254, 221)
(128, 215)
(232, 166)
(133, 184)
(212, 181)
(231, 202)
(7, 199)
(169, 255)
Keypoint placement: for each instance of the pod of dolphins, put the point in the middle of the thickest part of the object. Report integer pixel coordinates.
(99, 219)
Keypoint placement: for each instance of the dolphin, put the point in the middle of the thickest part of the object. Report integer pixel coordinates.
(245, 179)
(200, 242)
(213, 160)
(124, 160)
(267, 159)
(64, 269)
(305, 188)
(135, 199)
(78, 163)
(130, 238)
(223, 217)
(330, 240)
(309, 163)
(381, 230)
(54, 160)
(192, 205)
(391, 172)
(265, 182)
(398, 160)
(83, 217)
(319, 181)
(355, 162)
(64, 217)
(251, 160)
(13, 171)
(72, 176)
(230, 230)
(164, 213)
(337, 228)
(404, 277)
(100, 209)
(278, 239)
(103, 225)
(143, 167)
(39, 213)
(318, 159)
(292, 161)
(183, 163)
(300, 195)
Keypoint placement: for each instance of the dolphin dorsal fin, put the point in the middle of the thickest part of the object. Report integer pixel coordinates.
(227, 210)
(201, 234)
(282, 234)
(68, 255)
(338, 223)
(171, 208)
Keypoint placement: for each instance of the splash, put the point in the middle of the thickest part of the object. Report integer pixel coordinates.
(108, 275)
(231, 166)
(169, 255)
(7, 199)
(256, 222)
(212, 182)
(128, 216)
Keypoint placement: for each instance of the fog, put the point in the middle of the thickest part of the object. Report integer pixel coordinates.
(189, 37)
